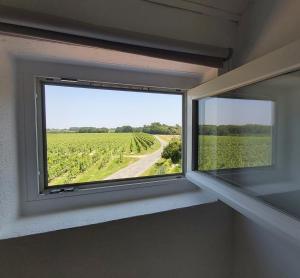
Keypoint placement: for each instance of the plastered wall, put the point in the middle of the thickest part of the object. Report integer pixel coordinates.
(193, 242)
(266, 26)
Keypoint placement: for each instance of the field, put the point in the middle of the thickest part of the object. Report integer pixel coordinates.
(86, 157)
(75, 157)
(227, 152)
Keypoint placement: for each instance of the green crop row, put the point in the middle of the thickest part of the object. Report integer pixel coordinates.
(71, 154)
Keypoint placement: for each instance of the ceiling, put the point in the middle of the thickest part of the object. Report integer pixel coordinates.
(210, 23)
(228, 10)
(207, 26)
(73, 54)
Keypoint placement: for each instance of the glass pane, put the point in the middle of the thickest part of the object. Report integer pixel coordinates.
(99, 134)
(250, 138)
(228, 141)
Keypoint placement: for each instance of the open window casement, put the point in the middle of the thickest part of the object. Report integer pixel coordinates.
(243, 138)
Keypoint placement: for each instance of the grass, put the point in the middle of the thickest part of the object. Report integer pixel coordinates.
(163, 167)
(93, 173)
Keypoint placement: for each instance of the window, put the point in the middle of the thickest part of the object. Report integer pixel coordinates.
(249, 137)
(94, 134)
(233, 133)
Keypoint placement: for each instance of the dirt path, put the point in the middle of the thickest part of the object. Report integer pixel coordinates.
(137, 168)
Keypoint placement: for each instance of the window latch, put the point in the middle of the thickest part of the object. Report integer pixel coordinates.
(60, 190)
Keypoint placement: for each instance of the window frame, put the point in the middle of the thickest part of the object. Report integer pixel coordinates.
(40, 105)
(221, 173)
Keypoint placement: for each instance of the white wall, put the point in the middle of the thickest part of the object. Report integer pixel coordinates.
(21, 61)
(192, 243)
(261, 254)
(266, 26)
(8, 141)
(289, 201)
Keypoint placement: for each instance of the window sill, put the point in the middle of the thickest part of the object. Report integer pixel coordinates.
(28, 222)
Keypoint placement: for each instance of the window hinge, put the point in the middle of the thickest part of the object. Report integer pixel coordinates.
(60, 190)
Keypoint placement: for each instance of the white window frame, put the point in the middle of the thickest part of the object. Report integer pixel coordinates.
(95, 185)
(30, 74)
(276, 63)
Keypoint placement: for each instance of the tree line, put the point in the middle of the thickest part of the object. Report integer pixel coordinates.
(234, 130)
(153, 128)
(89, 129)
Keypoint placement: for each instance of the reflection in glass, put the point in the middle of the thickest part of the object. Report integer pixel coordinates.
(228, 141)
(250, 137)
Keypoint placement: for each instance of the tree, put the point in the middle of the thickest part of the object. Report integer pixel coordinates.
(158, 128)
(172, 151)
(124, 129)
(92, 129)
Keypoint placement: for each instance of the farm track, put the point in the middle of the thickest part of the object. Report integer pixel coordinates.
(144, 163)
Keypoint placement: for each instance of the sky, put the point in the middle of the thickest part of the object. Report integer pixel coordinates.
(78, 107)
(229, 111)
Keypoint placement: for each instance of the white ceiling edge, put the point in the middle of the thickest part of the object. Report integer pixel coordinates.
(53, 23)
(198, 7)
(68, 53)
(232, 6)
(141, 18)
(279, 61)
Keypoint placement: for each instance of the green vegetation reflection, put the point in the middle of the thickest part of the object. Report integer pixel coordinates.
(230, 146)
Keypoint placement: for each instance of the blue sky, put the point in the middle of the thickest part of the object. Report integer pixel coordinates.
(225, 111)
(74, 106)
